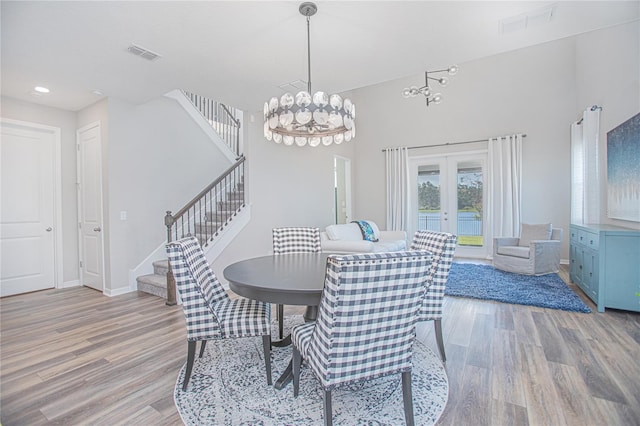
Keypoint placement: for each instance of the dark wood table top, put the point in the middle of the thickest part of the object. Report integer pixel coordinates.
(287, 279)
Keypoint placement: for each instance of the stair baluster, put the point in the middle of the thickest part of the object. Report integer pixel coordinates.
(226, 193)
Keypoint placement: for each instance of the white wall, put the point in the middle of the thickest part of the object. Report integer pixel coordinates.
(607, 73)
(286, 186)
(538, 91)
(159, 159)
(66, 121)
(155, 158)
(529, 91)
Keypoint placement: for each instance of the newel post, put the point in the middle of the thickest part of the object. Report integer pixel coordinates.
(171, 282)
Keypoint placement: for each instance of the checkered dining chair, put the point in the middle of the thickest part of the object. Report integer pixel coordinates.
(366, 322)
(294, 240)
(443, 246)
(209, 311)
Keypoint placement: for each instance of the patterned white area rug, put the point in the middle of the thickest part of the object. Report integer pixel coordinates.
(228, 386)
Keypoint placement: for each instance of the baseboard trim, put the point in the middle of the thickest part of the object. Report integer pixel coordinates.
(118, 291)
(73, 283)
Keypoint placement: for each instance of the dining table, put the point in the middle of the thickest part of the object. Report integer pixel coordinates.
(284, 279)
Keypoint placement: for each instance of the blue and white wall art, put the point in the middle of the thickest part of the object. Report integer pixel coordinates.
(623, 170)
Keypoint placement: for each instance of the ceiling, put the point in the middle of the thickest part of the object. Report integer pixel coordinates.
(239, 52)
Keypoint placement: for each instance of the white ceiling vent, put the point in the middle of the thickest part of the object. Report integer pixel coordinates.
(143, 53)
(294, 86)
(526, 20)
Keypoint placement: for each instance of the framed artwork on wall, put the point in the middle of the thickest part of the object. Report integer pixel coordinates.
(623, 170)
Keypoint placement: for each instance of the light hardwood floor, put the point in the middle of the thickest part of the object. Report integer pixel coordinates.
(74, 357)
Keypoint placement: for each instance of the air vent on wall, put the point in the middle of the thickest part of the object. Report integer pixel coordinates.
(527, 20)
(143, 53)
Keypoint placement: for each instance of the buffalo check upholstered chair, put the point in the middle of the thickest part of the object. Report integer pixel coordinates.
(209, 311)
(443, 246)
(366, 322)
(294, 240)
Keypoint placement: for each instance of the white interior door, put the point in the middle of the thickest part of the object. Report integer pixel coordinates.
(27, 214)
(90, 207)
(450, 197)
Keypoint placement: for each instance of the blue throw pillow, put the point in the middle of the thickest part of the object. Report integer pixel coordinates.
(367, 230)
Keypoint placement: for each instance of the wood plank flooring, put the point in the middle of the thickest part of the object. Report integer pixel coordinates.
(76, 357)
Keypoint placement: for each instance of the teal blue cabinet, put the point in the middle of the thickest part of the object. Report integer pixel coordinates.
(605, 264)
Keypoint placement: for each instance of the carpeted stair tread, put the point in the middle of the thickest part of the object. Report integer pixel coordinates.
(161, 267)
(153, 284)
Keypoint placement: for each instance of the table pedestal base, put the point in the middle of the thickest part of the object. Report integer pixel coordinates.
(310, 314)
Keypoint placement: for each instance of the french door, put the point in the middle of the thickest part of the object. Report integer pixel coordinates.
(449, 195)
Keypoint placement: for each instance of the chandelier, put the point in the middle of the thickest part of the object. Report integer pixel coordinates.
(413, 91)
(306, 119)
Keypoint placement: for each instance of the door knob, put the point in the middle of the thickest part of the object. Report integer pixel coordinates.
(97, 229)
(49, 229)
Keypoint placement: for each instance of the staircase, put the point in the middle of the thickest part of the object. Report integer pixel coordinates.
(210, 213)
(206, 232)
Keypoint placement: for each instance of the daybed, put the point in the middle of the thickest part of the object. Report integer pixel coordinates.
(348, 238)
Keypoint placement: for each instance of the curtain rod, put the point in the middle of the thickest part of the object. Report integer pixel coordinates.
(593, 108)
(449, 143)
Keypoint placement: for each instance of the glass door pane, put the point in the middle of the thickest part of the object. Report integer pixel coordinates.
(450, 198)
(429, 197)
(470, 217)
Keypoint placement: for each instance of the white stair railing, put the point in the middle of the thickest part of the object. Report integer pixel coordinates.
(223, 118)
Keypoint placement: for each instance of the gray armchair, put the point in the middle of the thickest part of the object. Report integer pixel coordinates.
(536, 252)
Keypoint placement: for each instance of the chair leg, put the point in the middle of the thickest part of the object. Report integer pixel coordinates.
(202, 346)
(438, 325)
(328, 412)
(296, 360)
(266, 347)
(281, 320)
(191, 353)
(407, 397)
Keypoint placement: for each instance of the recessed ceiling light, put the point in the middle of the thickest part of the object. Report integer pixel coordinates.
(97, 92)
(41, 89)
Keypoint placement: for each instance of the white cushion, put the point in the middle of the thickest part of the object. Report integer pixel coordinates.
(532, 232)
(515, 251)
(348, 231)
(384, 246)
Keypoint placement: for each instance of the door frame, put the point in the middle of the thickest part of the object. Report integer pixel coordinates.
(347, 186)
(58, 276)
(79, 199)
(451, 176)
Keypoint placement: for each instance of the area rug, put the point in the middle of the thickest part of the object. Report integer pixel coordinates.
(486, 282)
(228, 386)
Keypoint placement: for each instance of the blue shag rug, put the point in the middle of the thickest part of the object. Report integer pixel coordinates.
(486, 282)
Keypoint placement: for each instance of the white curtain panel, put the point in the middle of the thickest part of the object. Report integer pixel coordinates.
(590, 131)
(585, 172)
(505, 177)
(577, 173)
(398, 206)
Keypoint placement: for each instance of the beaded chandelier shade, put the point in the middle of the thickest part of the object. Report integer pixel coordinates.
(306, 119)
